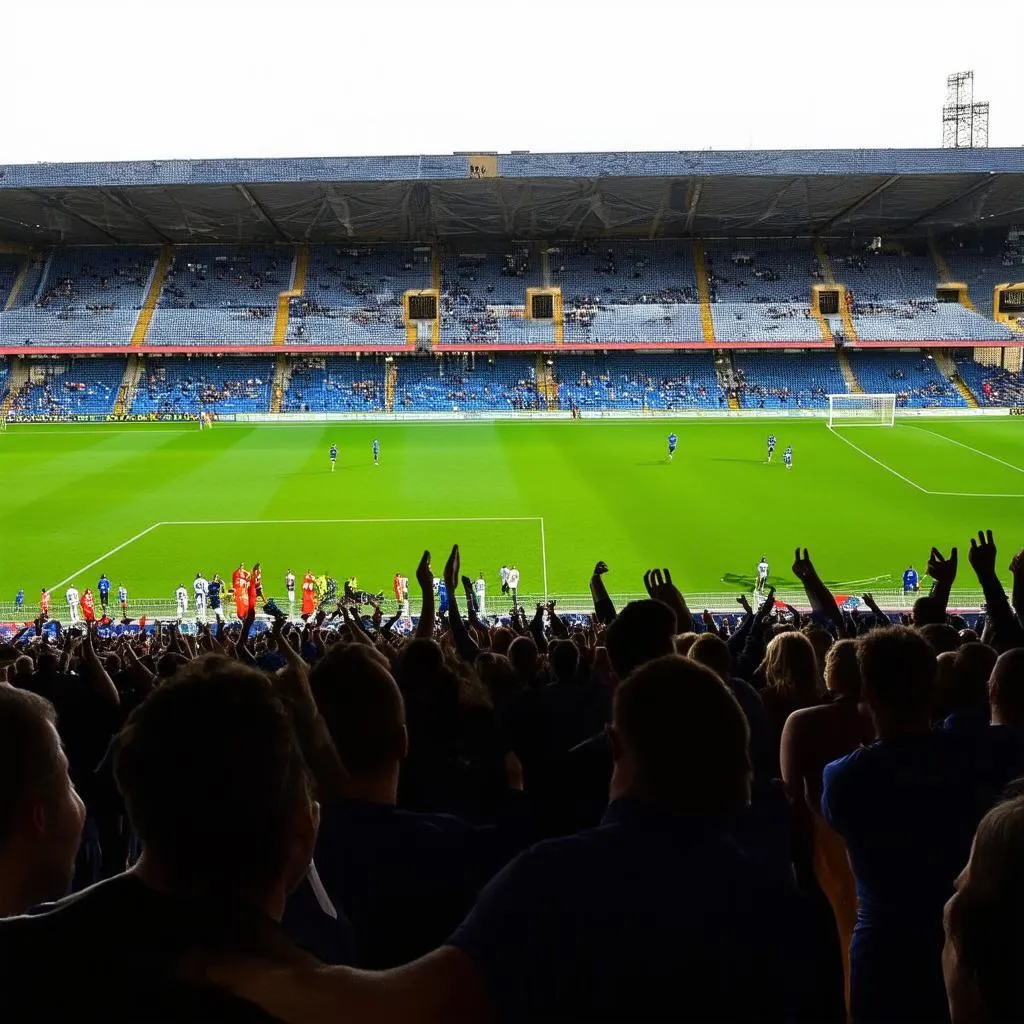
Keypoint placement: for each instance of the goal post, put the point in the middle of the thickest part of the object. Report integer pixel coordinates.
(861, 410)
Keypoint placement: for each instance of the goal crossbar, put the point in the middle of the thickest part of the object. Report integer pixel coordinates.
(861, 410)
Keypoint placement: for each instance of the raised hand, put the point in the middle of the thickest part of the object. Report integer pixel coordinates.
(424, 574)
(744, 604)
(982, 555)
(803, 567)
(600, 569)
(942, 570)
(660, 587)
(451, 572)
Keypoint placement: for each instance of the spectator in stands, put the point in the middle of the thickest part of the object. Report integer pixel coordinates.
(41, 814)
(404, 879)
(984, 921)
(791, 680)
(906, 808)
(1006, 690)
(217, 790)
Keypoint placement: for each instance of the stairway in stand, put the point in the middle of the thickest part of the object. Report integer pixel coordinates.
(133, 369)
(390, 384)
(945, 363)
(16, 381)
(282, 378)
(547, 386)
(852, 384)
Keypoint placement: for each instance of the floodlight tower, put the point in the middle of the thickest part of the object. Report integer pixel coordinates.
(964, 122)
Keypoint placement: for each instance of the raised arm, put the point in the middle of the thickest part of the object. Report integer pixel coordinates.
(1017, 569)
(603, 607)
(659, 586)
(464, 643)
(943, 574)
(817, 593)
(1007, 631)
(425, 578)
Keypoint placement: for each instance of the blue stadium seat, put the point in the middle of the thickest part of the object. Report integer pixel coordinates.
(188, 384)
(913, 377)
(335, 384)
(70, 386)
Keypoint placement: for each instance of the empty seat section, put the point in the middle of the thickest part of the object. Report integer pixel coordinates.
(629, 380)
(84, 295)
(216, 294)
(483, 296)
(69, 386)
(335, 384)
(760, 290)
(353, 295)
(775, 381)
(488, 383)
(635, 293)
(188, 384)
(913, 377)
(983, 265)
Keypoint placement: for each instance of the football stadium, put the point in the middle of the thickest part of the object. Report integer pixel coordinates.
(521, 333)
(571, 586)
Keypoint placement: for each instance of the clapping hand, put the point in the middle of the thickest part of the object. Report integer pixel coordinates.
(424, 574)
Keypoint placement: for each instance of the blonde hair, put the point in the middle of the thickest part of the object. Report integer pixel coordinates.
(842, 672)
(791, 669)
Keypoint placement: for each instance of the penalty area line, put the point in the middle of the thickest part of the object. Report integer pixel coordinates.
(878, 462)
(960, 444)
(107, 554)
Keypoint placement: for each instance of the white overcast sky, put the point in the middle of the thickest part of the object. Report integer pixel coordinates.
(107, 80)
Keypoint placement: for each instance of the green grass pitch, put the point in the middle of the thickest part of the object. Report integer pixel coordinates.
(550, 497)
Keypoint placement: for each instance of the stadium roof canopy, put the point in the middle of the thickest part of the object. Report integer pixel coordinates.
(523, 195)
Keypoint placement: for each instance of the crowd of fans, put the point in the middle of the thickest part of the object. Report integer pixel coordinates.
(635, 819)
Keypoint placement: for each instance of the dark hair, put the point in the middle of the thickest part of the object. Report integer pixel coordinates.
(711, 650)
(940, 636)
(212, 776)
(642, 631)
(688, 736)
(361, 706)
(1006, 685)
(973, 666)
(928, 610)
(986, 917)
(522, 655)
(28, 752)
(897, 670)
(564, 657)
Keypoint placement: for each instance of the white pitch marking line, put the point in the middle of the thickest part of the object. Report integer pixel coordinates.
(878, 462)
(977, 451)
(313, 522)
(970, 494)
(107, 554)
(544, 556)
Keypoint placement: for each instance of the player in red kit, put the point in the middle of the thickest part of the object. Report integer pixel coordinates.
(44, 602)
(308, 595)
(255, 586)
(240, 585)
(88, 606)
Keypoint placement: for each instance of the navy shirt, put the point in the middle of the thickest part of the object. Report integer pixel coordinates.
(113, 954)
(213, 591)
(405, 880)
(648, 917)
(907, 808)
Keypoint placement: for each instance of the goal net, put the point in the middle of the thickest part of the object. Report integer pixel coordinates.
(861, 410)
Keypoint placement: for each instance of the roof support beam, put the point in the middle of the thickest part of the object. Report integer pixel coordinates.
(54, 205)
(666, 195)
(691, 213)
(855, 205)
(257, 206)
(984, 185)
(114, 198)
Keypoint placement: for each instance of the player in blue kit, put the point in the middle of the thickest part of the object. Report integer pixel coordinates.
(787, 457)
(673, 441)
(334, 456)
(771, 446)
(104, 588)
(910, 580)
(376, 452)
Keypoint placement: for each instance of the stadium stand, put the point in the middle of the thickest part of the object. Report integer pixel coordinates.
(893, 295)
(631, 380)
(771, 381)
(189, 384)
(334, 384)
(481, 292)
(633, 292)
(83, 295)
(982, 265)
(10, 265)
(216, 294)
(992, 385)
(913, 377)
(466, 384)
(760, 290)
(68, 386)
(353, 296)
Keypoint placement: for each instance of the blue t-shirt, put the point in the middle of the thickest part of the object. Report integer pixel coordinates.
(334, 454)
(907, 808)
(672, 440)
(213, 591)
(909, 579)
(20, 598)
(376, 447)
(103, 586)
(646, 912)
